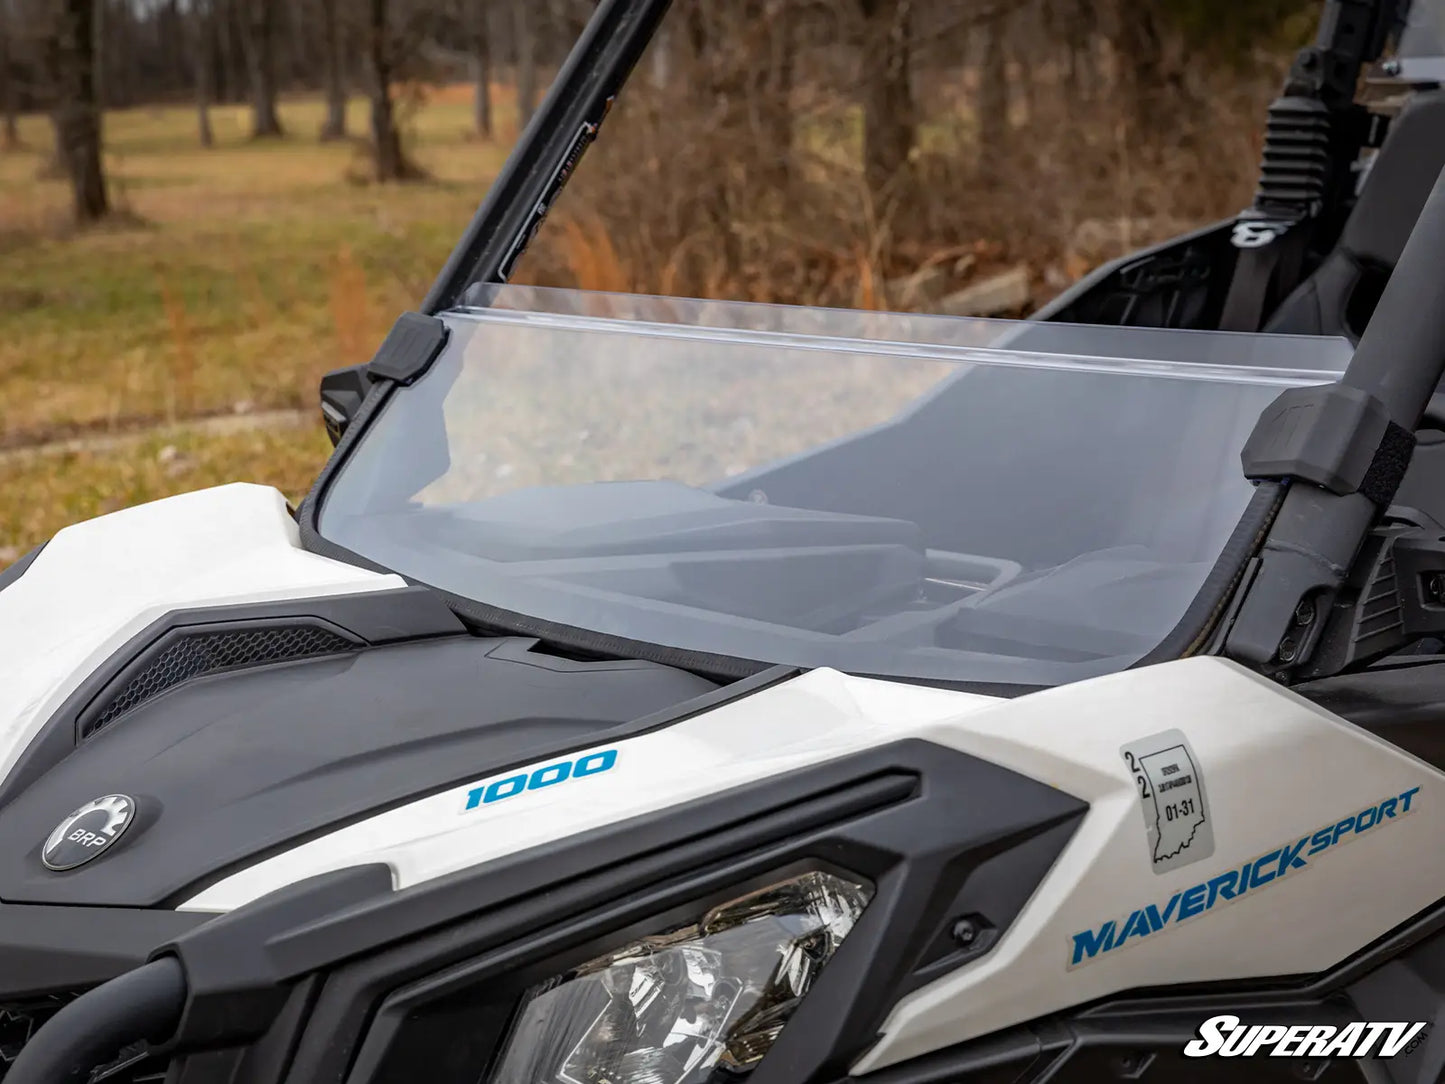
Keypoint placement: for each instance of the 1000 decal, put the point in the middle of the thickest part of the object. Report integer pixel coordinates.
(550, 776)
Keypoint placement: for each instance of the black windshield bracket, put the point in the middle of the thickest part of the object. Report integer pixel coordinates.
(407, 352)
(1339, 438)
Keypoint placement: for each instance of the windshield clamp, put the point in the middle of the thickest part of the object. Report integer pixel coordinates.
(407, 352)
(1333, 436)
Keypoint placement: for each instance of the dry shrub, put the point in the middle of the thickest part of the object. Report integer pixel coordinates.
(350, 313)
(733, 166)
(182, 385)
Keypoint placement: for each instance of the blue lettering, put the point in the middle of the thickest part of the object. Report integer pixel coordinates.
(1136, 925)
(1289, 857)
(1343, 828)
(1158, 921)
(504, 788)
(560, 774)
(1091, 943)
(1192, 902)
(541, 778)
(594, 763)
(1242, 886)
(1231, 884)
(1222, 886)
(1255, 880)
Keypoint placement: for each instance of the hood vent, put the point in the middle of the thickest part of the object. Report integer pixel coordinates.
(186, 654)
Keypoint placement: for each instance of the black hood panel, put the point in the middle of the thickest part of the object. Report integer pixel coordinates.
(231, 768)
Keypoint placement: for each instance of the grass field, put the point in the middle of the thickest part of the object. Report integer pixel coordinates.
(232, 280)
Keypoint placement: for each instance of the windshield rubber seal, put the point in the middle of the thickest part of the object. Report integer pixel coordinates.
(1195, 629)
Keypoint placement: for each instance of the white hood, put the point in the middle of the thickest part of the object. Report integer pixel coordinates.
(98, 583)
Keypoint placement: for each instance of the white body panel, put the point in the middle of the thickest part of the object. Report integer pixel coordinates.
(1275, 768)
(98, 583)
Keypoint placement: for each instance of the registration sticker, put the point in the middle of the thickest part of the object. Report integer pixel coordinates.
(1170, 787)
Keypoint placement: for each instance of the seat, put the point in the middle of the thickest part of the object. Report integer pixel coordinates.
(1340, 296)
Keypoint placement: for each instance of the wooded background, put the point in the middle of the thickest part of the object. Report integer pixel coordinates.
(207, 204)
(779, 148)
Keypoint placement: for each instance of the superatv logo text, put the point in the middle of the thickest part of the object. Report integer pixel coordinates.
(1226, 1037)
(1230, 885)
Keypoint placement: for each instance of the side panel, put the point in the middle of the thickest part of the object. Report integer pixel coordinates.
(98, 583)
(1334, 832)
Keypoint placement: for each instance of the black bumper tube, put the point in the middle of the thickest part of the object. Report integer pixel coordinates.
(144, 1004)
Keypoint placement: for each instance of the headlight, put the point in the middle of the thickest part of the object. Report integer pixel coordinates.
(667, 1009)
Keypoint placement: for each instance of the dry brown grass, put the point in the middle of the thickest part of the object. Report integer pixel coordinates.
(244, 273)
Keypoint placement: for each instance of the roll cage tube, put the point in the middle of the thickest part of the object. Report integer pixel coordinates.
(551, 146)
(1342, 450)
(1313, 139)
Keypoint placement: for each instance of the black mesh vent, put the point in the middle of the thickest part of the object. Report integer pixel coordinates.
(198, 654)
(20, 1022)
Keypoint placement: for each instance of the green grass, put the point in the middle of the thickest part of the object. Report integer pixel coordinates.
(233, 278)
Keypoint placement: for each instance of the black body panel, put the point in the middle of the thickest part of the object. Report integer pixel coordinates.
(17, 569)
(58, 949)
(367, 618)
(229, 768)
(940, 834)
(1404, 704)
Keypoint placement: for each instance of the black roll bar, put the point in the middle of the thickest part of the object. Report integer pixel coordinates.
(549, 149)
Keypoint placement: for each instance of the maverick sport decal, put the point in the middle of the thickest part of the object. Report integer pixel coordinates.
(547, 776)
(1230, 885)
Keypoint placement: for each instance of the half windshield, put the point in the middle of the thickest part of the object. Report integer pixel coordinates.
(888, 494)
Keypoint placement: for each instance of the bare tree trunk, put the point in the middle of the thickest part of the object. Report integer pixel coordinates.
(385, 139)
(97, 52)
(1150, 79)
(233, 58)
(334, 126)
(482, 69)
(888, 112)
(257, 23)
(76, 117)
(10, 133)
(524, 39)
(993, 92)
(202, 42)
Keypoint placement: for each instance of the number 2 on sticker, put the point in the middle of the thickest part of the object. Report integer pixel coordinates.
(1139, 776)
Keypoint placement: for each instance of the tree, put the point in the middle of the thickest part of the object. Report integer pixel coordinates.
(524, 46)
(390, 162)
(202, 42)
(258, 20)
(76, 116)
(888, 111)
(482, 67)
(10, 135)
(334, 127)
(993, 95)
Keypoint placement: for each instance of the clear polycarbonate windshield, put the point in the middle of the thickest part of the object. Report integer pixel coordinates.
(902, 495)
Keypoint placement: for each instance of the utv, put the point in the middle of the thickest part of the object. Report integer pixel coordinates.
(665, 692)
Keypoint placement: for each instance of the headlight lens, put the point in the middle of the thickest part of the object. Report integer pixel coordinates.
(668, 1009)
